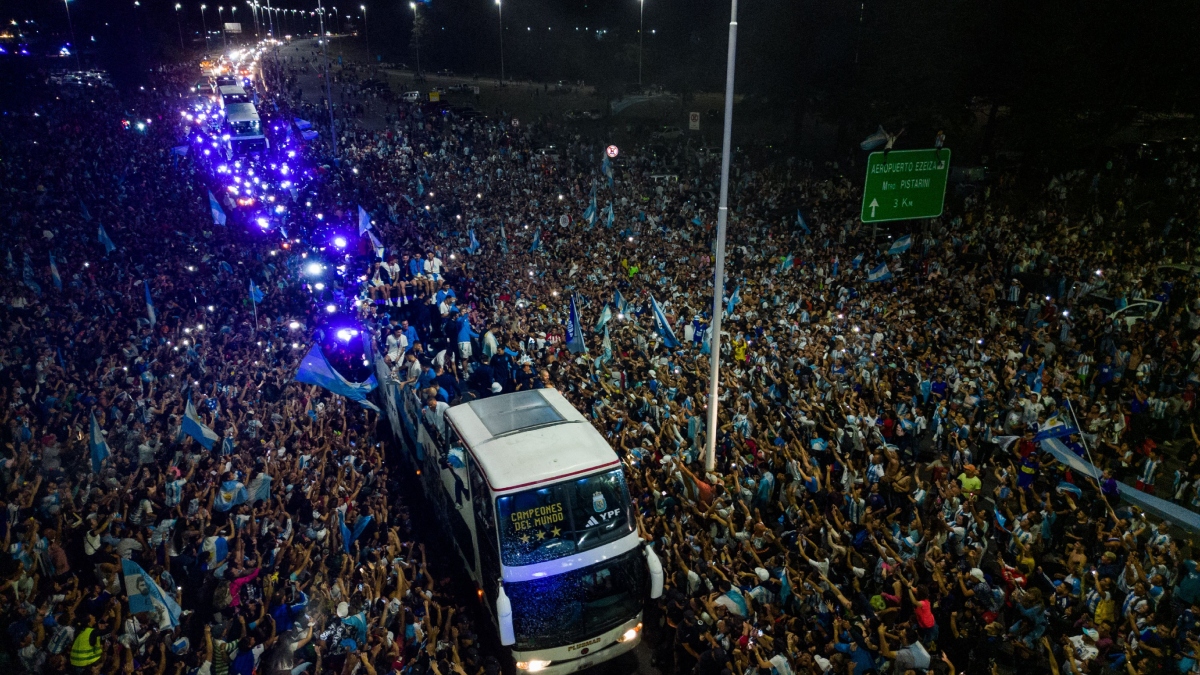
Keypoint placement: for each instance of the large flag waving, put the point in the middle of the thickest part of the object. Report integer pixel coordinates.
(608, 215)
(97, 446)
(901, 245)
(619, 301)
(662, 326)
(150, 313)
(108, 244)
(537, 240)
(880, 273)
(733, 300)
(315, 369)
(145, 595)
(377, 245)
(192, 426)
(364, 221)
(256, 295)
(605, 317)
(800, 222)
(218, 213)
(503, 240)
(574, 330)
(874, 140)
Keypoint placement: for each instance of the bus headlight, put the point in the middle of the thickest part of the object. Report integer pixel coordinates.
(532, 666)
(630, 634)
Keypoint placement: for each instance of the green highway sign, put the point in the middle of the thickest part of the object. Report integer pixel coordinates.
(904, 184)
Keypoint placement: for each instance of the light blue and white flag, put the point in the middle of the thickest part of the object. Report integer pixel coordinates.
(364, 221)
(608, 216)
(880, 273)
(733, 300)
(590, 214)
(108, 244)
(192, 426)
(227, 446)
(901, 245)
(420, 187)
(503, 240)
(857, 261)
(256, 294)
(473, 248)
(230, 494)
(27, 276)
(1055, 427)
(605, 317)
(662, 326)
(150, 313)
(574, 330)
(218, 213)
(145, 596)
(376, 244)
(874, 140)
(606, 347)
(54, 273)
(537, 240)
(316, 369)
(800, 222)
(97, 446)
(83, 211)
(787, 263)
(619, 301)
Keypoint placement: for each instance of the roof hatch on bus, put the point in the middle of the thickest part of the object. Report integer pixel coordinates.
(521, 410)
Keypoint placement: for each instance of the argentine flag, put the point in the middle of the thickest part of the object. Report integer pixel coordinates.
(880, 273)
(800, 222)
(192, 426)
(608, 216)
(605, 317)
(1055, 427)
(590, 214)
(316, 369)
(874, 140)
(474, 247)
(537, 241)
(662, 326)
(256, 295)
(97, 446)
(364, 221)
(108, 244)
(150, 313)
(619, 301)
(376, 244)
(857, 262)
(733, 300)
(503, 240)
(901, 245)
(787, 263)
(218, 214)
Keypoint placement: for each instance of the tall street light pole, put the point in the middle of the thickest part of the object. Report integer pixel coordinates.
(178, 26)
(71, 27)
(714, 357)
(641, 23)
(328, 88)
(366, 31)
(221, 19)
(204, 22)
(233, 18)
(417, 41)
(500, 12)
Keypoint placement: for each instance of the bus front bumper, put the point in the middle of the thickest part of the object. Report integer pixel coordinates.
(574, 658)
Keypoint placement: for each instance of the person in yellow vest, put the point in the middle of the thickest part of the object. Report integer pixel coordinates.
(88, 649)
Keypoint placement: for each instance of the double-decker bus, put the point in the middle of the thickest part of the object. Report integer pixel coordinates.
(243, 131)
(230, 94)
(537, 505)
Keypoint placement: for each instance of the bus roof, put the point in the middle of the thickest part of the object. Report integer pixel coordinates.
(530, 437)
(231, 90)
(241, 112)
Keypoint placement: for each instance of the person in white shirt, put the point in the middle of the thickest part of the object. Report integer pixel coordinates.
(435, 414)
(433, 272)
(397, 344)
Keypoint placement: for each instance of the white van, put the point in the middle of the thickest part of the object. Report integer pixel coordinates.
(411, 96)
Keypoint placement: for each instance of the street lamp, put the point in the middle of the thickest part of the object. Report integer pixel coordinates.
(366, 30)
(500, 13)
(204, 22)
(178, 27)
(417, 41)
(233, 18)
(74, 47)
(221, 19)
(337, 21)
(641, 22)
(714, 365)
(254, 15)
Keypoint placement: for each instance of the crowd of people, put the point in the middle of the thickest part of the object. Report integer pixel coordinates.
(879, 502)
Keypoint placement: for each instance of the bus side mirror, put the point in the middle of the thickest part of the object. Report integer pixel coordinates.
(656, 572)
(504, 617)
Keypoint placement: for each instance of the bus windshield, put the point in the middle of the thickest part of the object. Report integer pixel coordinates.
(563, 519)
(572, 607)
